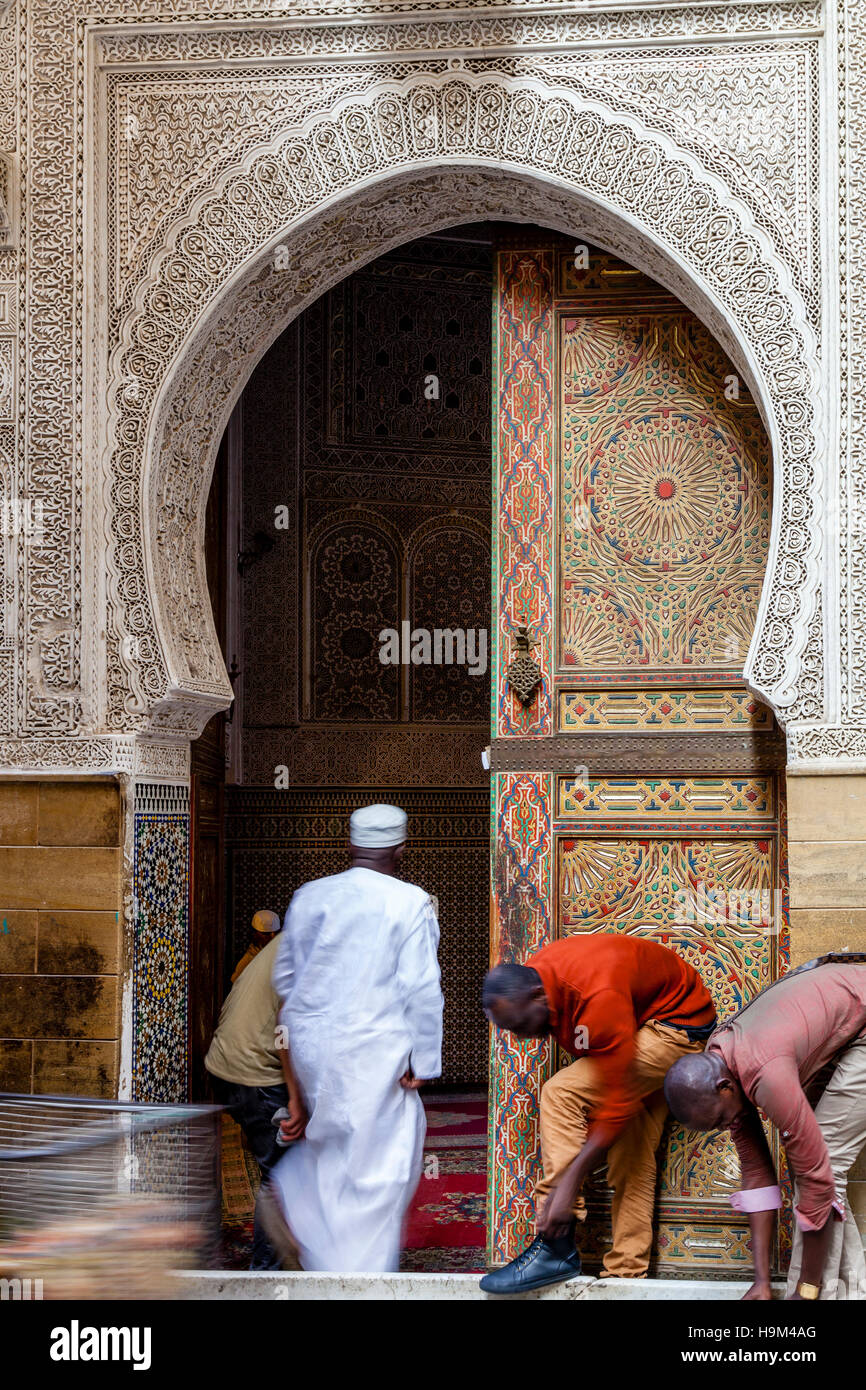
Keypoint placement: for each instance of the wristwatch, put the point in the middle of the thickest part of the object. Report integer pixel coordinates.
(808, 1290)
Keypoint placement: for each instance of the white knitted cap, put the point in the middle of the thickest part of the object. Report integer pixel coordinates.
(377, 827)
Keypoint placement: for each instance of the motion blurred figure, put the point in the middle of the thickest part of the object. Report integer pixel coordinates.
(264, 927)
(253, 1078)
(776, 1054)
(357, 974)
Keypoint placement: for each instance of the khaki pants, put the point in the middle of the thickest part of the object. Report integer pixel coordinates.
(841, 1114)
(566, 1100)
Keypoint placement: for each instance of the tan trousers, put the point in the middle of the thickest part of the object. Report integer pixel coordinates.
(841, 1114)
(566, 1100)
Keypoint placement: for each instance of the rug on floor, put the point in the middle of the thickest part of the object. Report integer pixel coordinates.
(446, 1230)
(446, 1227)
(240, 1183)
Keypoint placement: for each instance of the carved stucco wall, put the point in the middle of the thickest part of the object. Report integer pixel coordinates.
(166, 149)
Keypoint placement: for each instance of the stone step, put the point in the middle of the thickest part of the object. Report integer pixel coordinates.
(204, 1284)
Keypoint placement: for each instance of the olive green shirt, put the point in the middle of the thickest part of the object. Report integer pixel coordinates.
(244, 1049)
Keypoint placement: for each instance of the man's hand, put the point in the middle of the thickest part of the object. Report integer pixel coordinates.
(410, 1082)
(293, 1128)
(761, 1225)
(759, 1292)
(556, 1215)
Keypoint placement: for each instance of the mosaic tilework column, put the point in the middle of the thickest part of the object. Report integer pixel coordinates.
(523, 587)
(161, 944)
(522, 891)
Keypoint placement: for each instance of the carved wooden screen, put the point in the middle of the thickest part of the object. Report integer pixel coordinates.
(384, 487)
(638, 791)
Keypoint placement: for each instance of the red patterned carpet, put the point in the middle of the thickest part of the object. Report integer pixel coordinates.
(447, 1226)
(446, 1230)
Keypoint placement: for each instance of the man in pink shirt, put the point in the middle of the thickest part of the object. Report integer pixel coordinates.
(775, 1055)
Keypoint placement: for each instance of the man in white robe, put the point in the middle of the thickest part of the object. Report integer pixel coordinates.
(358, 978)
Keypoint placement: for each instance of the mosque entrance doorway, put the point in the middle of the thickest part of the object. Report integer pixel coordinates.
(608, 447)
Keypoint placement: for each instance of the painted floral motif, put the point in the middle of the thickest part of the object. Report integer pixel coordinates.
(665, 486)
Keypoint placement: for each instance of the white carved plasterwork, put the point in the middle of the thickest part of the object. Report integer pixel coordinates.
(8, 346)
(827, 747)
(148, 759)
(8, 306)
(7, 229)
(587, 168)
(342, 11)
(851, 120)
(56, 36)
(736, 109)
(7, 580)
(8, 354)
(8, 83)
(751, 111)
(7, 378)
(166, 141)
(49, 453)
(501, 32)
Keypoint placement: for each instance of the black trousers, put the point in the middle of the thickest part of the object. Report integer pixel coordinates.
(253, 1108)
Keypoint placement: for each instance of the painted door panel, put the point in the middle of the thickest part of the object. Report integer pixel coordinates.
(633, 515)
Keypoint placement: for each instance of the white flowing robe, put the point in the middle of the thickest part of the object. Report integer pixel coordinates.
(358, 980)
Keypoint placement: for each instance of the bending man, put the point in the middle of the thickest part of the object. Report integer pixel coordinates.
(629, 1008)
(769, 1056)
(253, 1077)
(358, 977)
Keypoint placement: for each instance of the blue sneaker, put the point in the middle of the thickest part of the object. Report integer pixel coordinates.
(538, 1265)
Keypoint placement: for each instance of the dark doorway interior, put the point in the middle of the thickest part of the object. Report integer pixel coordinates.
(207, 821)
(354, 495)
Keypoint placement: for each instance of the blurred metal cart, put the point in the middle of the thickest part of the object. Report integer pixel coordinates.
(104, 1199)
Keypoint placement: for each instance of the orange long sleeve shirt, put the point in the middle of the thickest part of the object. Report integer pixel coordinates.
(601, 988)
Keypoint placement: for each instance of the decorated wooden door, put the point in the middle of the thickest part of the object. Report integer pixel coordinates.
(637, 789)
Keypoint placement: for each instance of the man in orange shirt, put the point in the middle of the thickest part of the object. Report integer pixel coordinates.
(628, 1008)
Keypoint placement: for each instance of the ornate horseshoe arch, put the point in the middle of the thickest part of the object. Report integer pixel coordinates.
(298, 214)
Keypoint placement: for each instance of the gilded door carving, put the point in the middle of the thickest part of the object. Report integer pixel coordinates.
(655, 787)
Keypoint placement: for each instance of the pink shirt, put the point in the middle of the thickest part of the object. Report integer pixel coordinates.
(774, 1049)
